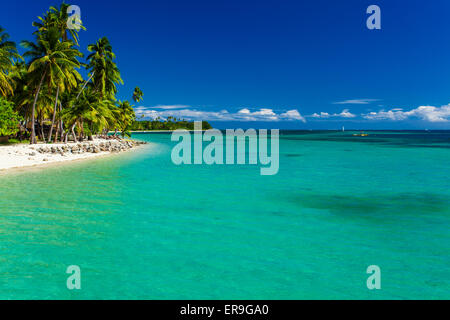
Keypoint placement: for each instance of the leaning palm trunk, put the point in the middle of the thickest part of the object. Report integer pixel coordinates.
(54, 115)
(73, 126)
(73, 132)
(84, 85)
(68, 131)
(33, 131)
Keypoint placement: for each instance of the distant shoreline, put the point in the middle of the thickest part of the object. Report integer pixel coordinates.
(158, 131)
(150, 131)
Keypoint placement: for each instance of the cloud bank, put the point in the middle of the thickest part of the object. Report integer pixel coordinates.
(188, 113)
(424, 113)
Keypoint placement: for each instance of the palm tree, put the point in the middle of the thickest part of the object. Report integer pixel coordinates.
(137, 94)
(8, 56)
(126, 116)
(53, 61)
(57, 18)
(103, 71)
(69, 79)
(92, 113)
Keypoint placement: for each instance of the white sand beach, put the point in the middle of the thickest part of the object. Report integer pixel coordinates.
(26, 155)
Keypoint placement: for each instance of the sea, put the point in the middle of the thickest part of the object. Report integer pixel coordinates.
(139, 226)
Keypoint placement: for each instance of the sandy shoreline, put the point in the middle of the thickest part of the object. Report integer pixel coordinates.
(25, 155)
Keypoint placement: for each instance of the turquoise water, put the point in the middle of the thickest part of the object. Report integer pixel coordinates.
(140, 227)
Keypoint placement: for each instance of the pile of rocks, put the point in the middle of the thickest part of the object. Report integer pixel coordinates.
(90, 147)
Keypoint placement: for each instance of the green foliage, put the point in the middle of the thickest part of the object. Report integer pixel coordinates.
(52, 63)
(14, 141)
(57, 18)
(9, 119)
(8, 55)
(126, 116)
(170, 124)
(137, 94)
(102, 68)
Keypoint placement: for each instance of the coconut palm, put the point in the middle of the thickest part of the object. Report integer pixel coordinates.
(137, 94)
(8, 56)
(57, 18)
(53, 61)
(126, 116)
(68, 80)
(91, 112)
(102, 68)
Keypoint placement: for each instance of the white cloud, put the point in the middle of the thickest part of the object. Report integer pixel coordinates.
(432, 114)
(426, 113)
(245, 111)
(321, 115)
(345, 114)
(356, 101)
(262, 114)
(325, 115)
(293, 115)
(386, 115)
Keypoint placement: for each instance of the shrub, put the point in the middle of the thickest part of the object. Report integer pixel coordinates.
(9, 119)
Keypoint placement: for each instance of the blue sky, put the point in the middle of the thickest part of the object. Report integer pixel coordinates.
(274, 64)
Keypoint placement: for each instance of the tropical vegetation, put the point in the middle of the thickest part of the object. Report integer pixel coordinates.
(43, 94)
(45, 97)
(171, 123)
(9, 119)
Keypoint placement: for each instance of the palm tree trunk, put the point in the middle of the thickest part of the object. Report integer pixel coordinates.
(71, 129)
(57, 131)
(81, 138)
(41, 123)
(54, 115)
(33, 132)
(84, 85)
(73, 132)
(61, 124)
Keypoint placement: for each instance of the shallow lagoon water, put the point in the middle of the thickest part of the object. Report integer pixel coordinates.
(141, 227)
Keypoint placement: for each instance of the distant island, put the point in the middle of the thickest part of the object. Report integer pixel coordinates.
(171, 123)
